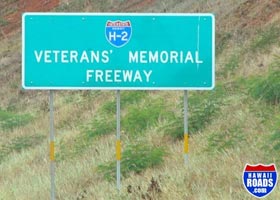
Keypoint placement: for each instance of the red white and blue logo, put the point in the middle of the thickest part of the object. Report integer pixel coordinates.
(260, 180)
(118, 33)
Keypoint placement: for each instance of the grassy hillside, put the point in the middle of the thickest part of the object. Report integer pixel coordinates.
(236, 123)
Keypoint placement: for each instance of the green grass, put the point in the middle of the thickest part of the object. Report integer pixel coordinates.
(18, 144)
(3, 22)
(222, 40)
(96, 128)
(266, 38)
(136, 158)
(109, 107)
(272, 147)
(230, 67)
(105, 123)
(275, 141)
(9, 120)
(275, 65)
(266, 87)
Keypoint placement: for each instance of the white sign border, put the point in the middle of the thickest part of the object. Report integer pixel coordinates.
(117, 14)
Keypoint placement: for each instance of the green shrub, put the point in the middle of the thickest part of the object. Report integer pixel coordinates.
(127, 98)
(222, 141)
(9, 121)
(135, 158)
(139, 119)
(175, 128)
(98, 127)
(202, 114)
(104, 123)
(132, 97)
(203, 107)
(267, 88)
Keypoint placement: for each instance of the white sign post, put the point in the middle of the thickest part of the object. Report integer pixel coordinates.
(52, 159)
(118, 140)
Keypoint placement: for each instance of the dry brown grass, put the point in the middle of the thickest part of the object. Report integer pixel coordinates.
(208, 176)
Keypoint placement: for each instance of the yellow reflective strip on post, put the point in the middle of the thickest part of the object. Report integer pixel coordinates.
(186, 143)
(118, 150)
(52, 150)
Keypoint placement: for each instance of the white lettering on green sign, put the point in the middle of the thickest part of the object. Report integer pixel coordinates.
(118, 76)
(72, 56)
(163, 57)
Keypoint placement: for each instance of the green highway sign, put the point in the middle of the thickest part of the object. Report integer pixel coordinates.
(120, 51)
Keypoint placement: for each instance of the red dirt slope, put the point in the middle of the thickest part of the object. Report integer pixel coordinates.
(11, 11)
(252, 14)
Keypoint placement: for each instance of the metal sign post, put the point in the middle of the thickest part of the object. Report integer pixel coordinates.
(186, 134)
(52, 163)
(118, 140)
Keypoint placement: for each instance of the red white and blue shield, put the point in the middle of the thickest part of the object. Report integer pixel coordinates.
(118, 33)
(260, 180)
